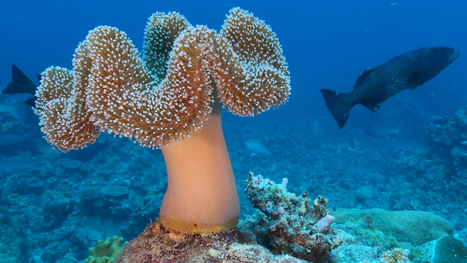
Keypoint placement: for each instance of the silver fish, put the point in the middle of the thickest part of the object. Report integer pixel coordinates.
(257, 147)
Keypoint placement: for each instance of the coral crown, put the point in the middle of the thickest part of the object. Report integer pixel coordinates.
(166, 95)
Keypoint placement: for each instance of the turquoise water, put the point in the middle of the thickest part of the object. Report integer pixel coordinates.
(55, 203)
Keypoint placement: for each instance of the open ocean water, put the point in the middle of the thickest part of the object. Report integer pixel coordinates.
(410, 155)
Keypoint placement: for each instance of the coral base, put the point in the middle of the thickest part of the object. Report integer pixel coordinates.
(158, 244)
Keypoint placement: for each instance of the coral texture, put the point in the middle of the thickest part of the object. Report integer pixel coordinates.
(105, 252)
(288, 224)
(447, 138)
(449, 250)
(10, 250)
(168, 94)
(416, 227)
(396, 255)
(158, 244)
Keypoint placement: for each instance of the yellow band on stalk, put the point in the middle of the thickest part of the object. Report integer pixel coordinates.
(196, 227)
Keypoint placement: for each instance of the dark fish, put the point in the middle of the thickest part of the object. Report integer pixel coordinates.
(21, 84)
(376, 85)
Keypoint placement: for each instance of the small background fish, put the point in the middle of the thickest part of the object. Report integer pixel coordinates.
(257, 147)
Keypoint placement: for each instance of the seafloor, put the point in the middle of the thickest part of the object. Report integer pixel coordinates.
(55, 206)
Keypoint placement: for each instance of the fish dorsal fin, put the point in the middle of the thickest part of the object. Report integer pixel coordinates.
(363, 77)
(374, 105)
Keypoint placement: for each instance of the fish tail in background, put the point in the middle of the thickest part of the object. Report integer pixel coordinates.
(338, 104)
(20, 84)
(31, 102)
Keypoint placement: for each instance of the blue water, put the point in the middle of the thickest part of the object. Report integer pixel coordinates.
(327, 44)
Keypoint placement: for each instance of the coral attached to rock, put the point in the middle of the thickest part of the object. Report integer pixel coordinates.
(415, 227)
(448, 249)
(159, 244)
(396, 255)
(105, 252)
(288, 224)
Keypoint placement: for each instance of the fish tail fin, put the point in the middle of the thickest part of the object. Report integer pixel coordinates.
(338, 105)
(20, 83)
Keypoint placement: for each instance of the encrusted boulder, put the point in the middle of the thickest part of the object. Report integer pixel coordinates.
(158, 244)
(416, 227)
(290, 224)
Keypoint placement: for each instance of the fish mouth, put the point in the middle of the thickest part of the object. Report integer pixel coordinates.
(453, 56)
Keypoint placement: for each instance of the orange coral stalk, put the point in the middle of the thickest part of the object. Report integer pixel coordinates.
(201, 193)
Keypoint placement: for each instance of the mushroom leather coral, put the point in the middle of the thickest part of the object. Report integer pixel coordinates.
(171, 98)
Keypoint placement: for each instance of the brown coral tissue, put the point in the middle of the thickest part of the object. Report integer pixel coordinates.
(187, 72)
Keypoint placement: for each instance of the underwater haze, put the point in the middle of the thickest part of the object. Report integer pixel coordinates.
(409, 155)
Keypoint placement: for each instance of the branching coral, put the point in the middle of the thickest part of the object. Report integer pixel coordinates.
(290, 224)
(396, 255)
(170, 99)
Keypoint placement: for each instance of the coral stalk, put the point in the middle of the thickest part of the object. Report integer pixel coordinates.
(201, 193)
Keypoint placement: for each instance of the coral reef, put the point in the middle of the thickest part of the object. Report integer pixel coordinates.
(396, 255)
(416, 227)
(449, 250)
(107, 251)
(158, 244)
(392, 174)
(290, 224)
(376, 236)
(447, 138)
(10, 250)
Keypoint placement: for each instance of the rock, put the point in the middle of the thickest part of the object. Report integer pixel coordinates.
(449, 250)
(158, 244)
(416, 227)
